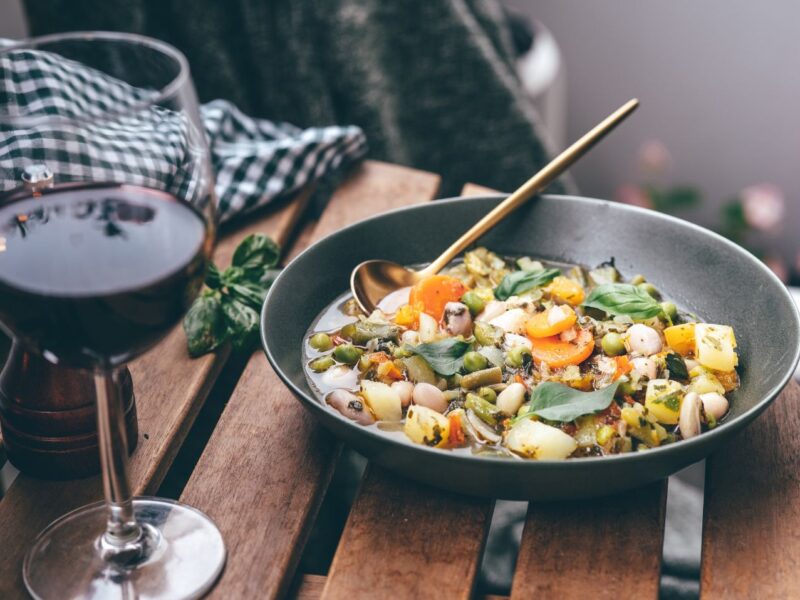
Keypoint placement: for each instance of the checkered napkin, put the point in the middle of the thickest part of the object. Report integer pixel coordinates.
(125, 139)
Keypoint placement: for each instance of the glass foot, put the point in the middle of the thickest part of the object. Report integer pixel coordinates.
(182, 558)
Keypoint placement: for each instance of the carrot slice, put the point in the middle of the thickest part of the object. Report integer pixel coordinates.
(432, 293)
(552, 321)
(566, 290)
(555, 353)
(624, 366)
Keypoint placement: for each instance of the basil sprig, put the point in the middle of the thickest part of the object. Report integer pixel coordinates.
(558, 402)
(445, 356)
(623, 299)
(521, 281)
(229, 308)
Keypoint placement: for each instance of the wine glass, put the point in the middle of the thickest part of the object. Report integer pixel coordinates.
(106, 231)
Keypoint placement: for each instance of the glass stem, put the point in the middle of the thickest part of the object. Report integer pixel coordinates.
(121, 528)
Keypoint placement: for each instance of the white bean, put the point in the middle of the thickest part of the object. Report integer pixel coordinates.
(457, 320)
(511, 398)
(410, 337)
(493, 309)
(643, 339)
(689, 419)
(714, 404)
(429, 396)
(404, 389)
(644, 366)
(351, 406)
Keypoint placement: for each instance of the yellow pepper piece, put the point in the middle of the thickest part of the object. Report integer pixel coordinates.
(681, 338)
(566, 290)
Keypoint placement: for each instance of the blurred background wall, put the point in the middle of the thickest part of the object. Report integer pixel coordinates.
(718, 83)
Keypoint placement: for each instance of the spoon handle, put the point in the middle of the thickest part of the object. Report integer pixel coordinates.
(534, 185)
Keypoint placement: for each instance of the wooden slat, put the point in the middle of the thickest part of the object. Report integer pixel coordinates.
(259, 479)
(389, 541)
(310, 588)
(406, 540)
(170, 389)
(751, 529)
(598, 548)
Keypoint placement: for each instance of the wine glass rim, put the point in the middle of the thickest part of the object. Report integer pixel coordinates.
(164, 92)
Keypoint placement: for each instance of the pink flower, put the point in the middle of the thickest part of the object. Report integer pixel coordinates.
(629, 193)
(654, 158)
(778, 267)
(763, 205)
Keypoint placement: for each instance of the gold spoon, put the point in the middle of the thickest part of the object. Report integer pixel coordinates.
(373, 280)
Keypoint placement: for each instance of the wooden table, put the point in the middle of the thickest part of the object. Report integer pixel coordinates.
(263, 482)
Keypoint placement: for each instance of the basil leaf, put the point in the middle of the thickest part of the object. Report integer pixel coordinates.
(521, 281)
(623, 299)
(256, 252)
(445, 356)
(242, 322)
(213, 276)
(677, 367)
(251, 294)
(558, 402)
(204, 325)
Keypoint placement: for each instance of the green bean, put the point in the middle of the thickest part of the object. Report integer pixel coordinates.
(485, 411)
(482, 378)
(474, 361)
(612, 344)
(474, 302)
(347, 354)
(323, 363)
(488, 394)
(321, 341)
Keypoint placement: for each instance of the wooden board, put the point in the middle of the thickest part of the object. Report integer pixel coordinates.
(267, 465)
(751, 530)
(406, 540)
(597, 548)
(410, 539)
(170, 389)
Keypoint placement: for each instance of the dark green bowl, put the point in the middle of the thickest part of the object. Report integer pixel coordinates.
(698, 269)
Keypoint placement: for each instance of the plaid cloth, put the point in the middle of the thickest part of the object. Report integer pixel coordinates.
(98, 128)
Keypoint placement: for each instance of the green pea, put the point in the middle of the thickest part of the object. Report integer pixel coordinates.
(637, 279)
(488, 394)
(321, 342)
(347, 354)
(474, 302)
(612, 344)
(670, 309)
(474, 361)
(518, 356)
(323, 363)
(626, 388)
(649, 289)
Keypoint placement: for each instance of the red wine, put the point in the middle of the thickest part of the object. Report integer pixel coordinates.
(92, 275)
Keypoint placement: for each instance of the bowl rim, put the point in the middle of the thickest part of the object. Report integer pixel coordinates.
(722, 430)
